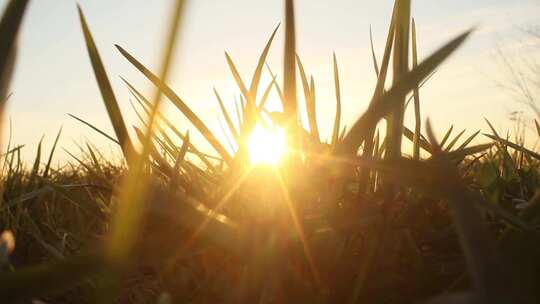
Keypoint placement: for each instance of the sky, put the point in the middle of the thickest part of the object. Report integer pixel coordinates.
(54, 76)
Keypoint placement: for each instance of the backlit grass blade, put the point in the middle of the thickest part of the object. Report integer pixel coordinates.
(289, 70)
(309, 97)
(35, 168)
(49, 161)
(248, 110)
(337, 119)
(387, 101)
(447, 135)
(367, 134)
(394, 123)
(514, 146)
(462, 153)
(373, 56)
(258, 70)
(9, 28)
(537, 127)
(468, 140)
(145, 104)
(228, 120)
(266, 93)
(96, 129)
(182, 153)
(423, 143)
(106, 90)
(454, 141)
(416, 95)
(171, 95)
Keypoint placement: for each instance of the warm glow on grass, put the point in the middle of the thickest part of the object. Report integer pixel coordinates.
(266, 145)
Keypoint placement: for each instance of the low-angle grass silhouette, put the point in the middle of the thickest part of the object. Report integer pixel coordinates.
(348, 219)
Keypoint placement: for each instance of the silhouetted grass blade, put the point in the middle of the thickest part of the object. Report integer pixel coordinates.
(106, 90)
(195, 120)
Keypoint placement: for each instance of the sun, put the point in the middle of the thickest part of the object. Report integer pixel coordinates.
(266, 145)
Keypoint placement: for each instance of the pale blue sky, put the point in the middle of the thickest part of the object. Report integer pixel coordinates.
(54, 76)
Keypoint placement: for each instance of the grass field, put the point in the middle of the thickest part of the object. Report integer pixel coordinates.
(354, 218)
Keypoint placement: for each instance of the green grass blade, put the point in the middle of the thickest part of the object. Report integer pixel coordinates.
(249, 119)
(228, 120)
(266, 93)
(373, 56)
(9, 28)
(337, 119)
(462, 153)
(310, 101)
(454, 141)
(145, 104)
(190, 115)
(49, 161)
(468, 140)
(394, 122)
(106, 90)
(514, 146)
(382, 105)
(289, 70)
(95, 129)
(35, 168)
(182, 153)
(447, 135)
(258, 70)
(424, 144)
(416, 95)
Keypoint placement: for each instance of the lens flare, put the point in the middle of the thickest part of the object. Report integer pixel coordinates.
(266, 145)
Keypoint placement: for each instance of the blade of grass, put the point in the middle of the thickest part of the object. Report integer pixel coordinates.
(394, 123)
(416, 94)
(190, 115)
(49, 161)
(105, 88)
(9, 29)
(228, 120)
(468, 140)
(382, 105)
(454, 141)
(289, 73)
(337, 119)
(96, 129)
(373, 56)
(310, 101)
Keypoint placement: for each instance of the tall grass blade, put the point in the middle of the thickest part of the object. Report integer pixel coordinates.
(382, 105)
(309, 97)
(454, 141)
(447, 135)
(95, 129)
(373, 56)
(468, 140)
(106, 90)
(337, 119)
(171, 95)
(289, 71)
(514, 146)
(394, 123)
(416, 95)
(49, 161)
(228, 120)
(9, 28)
(258, 70)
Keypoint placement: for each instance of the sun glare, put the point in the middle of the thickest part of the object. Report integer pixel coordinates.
(266, 145)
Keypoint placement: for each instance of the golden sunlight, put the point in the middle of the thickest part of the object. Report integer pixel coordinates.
(266, 145)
